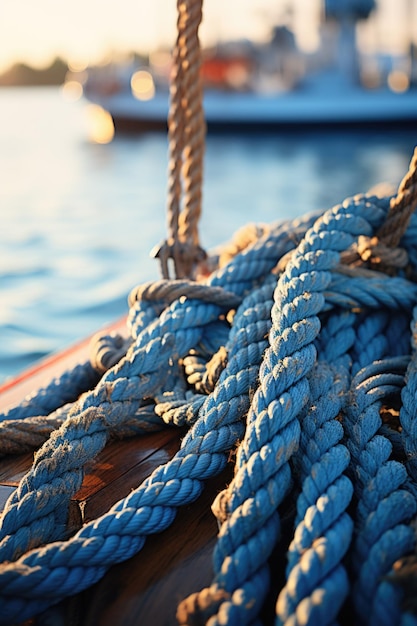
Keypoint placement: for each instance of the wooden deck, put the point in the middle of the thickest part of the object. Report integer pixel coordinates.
(147, 588)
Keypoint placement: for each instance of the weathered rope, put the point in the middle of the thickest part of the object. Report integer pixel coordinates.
(59, 391)
(120, 394)
(107, 350)
(385, 507)
(203, 453)
(248, 508)
(186, 133)
(407, 414)
(146, 303)
(27, 435)
(317, 582)
(86, 430)
(381, 251)
(402, 206)
(168, 291)
(224, 354)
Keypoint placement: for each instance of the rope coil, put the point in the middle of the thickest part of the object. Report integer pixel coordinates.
(296, 354)
(288, 352)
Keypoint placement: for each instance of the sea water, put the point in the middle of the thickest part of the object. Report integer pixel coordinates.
(78, 219)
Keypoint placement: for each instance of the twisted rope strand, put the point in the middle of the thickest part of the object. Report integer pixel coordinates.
(59, 391)
(297, 403)
(248, 508)
(35, 581)
(149, 300)
(176, 125)
(56, 473)
(384, 505)
(186, 133)
(324, 529)
(408, 410)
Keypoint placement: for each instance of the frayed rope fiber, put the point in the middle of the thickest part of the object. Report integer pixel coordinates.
(299, 353)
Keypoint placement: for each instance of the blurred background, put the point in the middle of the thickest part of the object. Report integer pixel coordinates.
(83, 193)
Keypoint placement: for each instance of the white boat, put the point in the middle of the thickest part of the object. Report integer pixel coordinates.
(254, 110)
(273, 85)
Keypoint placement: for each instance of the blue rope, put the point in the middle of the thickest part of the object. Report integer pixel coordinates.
(317, 583)
(262, 477)
(61, 390)
(384, 505)
(286, 361)
(323, 527)
(408, 409)
(38, 509)
(119, 394)
(151, 508)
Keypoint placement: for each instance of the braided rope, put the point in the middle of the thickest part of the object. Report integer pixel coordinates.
(59, 391)
(326, 321)
(152, 506)
(402, 206)
(385, 506)
(55, 477)
(381, 250)
(186, 133)
(248, 508)
(317, 583)
(408, 409)
(20, 436)
(146, 303)
(318, 588)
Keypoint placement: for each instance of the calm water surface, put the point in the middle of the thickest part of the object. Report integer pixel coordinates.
(78, 219)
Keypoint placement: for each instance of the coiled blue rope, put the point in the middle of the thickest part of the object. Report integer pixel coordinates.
(317, 583)
(60, 391)
(121, 533)
(384, 504)
(262, 476)
(293, 445)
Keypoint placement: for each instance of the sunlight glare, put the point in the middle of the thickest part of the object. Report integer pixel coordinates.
(398, 81)
(72, 90)
(143, 87)
(77, 66)
(100, 125)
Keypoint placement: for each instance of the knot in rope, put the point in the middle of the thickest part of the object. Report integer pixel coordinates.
(381, 251)
(379, 254)
(299, 366)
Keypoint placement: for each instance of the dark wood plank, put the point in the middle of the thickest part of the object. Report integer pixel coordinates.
(13, 468)
(119, 457)
(98, 501)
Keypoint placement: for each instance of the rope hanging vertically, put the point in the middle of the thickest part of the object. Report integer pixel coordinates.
(186, 133)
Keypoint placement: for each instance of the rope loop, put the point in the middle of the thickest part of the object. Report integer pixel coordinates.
(107, 350)
(167, 291)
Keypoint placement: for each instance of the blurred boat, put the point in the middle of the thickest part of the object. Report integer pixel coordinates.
(273, 85)
(320, 104)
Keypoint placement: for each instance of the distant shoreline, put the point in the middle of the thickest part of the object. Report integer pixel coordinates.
(23, 75)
